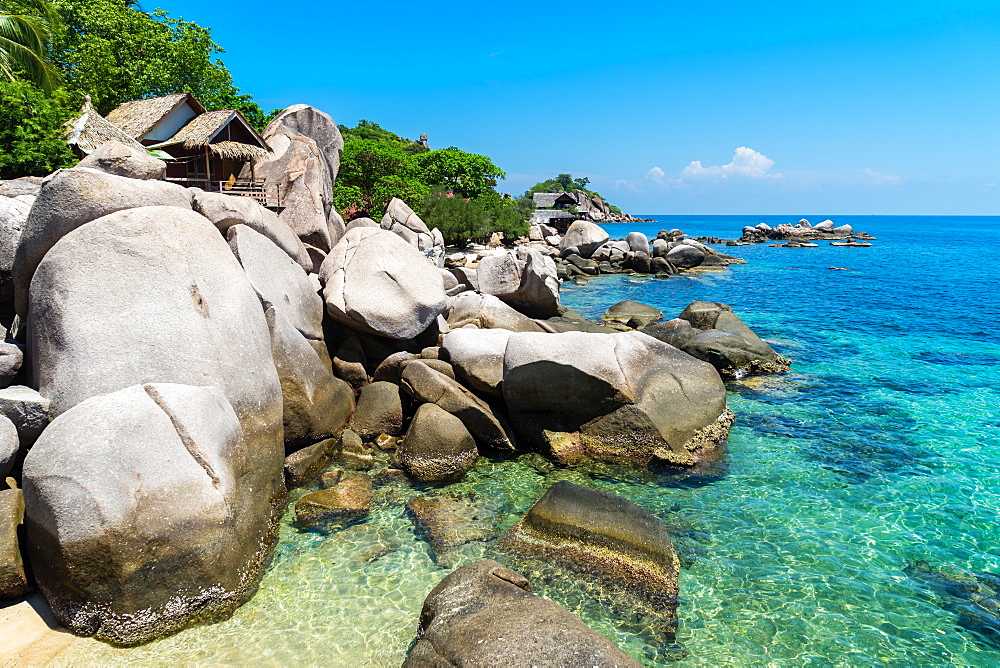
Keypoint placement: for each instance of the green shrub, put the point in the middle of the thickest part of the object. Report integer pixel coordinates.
(32, 132)
(460, 220)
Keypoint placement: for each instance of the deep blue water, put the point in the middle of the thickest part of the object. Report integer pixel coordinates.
(881, 449)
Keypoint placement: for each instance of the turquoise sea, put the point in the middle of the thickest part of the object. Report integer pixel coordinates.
(878, 452)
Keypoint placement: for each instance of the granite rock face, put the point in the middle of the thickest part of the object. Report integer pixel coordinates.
(380, 411)
(484, 614)
(13, 579)
(225, 211)
(70, 198)
(488, 312)
(629, 396)
(379, 284)
(10, 444)
(147, 509)
(116, 158)
(477, 357)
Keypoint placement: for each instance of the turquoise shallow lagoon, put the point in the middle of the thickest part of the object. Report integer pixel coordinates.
(880, 449)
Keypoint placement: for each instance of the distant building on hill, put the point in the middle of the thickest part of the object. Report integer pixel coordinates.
(212, 150)
(557, 210)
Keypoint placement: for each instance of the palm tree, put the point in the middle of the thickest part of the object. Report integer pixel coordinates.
(23, 41)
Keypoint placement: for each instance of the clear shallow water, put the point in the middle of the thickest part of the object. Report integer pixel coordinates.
(881, 448)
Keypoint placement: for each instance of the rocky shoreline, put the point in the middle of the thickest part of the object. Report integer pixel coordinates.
(177, 360)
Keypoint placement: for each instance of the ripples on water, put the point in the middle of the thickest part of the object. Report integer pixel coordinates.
(879, 451)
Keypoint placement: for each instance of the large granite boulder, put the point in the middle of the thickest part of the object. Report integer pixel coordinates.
(70, 198)
(13, 215)
(428, 385)
(629, 396)
(226, 211)
(398, 213)
(437, 447)
(13, 579)
(377, 283)
(114, 157)
(477, 357)
(484, 614)
(526, 280)
(719, 337)
(315, 403)
(597, 533)
(307, 121)
(685, 256)
(380, 411)
(147, 509)
(153, 295)
(278, 280)
(488, 312)
(27, 409)
(585, 236)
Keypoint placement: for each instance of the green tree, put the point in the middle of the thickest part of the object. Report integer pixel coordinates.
(32, 141)
(564, 183)
(466, 174)
(372, 172)
(460, 220)
(25, 32)
(117, 53)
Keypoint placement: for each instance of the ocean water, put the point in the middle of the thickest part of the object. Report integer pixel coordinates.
(880, 450)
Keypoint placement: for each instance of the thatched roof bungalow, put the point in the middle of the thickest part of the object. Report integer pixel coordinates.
(209, 148)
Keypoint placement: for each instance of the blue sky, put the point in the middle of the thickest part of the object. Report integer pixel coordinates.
(668, 107)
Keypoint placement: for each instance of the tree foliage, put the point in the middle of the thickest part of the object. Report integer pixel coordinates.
(466, 174)
(31, 130)
(25, 31)
(461, 220)
(116, 53)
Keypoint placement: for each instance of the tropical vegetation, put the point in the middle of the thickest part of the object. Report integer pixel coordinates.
(564, 183)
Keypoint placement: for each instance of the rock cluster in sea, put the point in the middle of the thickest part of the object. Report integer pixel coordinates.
(801, 233)
(176, 359)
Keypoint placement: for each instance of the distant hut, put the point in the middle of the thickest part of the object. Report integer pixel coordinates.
(557, 210)
(209, 149)
(89, 130)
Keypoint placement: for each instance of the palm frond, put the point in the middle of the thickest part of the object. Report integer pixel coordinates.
(23, 41)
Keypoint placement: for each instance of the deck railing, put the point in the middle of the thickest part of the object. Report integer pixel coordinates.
(266, 194)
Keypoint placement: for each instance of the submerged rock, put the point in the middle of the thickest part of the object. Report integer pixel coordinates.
(449, 522)
(349, 499)
(484, 614)
(601, 534)
(634, 314)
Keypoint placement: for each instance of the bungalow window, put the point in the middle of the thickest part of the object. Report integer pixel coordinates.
(196, 168)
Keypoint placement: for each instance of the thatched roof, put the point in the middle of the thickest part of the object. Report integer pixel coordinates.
(139, 117)
(202, 129)
(90, 130)
(549, 200)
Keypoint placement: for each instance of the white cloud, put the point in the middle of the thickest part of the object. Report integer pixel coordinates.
(746, 163)
(657, 177)
(881, 179)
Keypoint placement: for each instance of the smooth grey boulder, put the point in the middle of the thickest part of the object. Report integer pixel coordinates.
(431, 386)
(685, 256)
(722, 339)
(306, 463)
(350, 363)
(477, 357)
(11, 358)
(70, 198)
(21, 186)
(632, 313)
(629, 396)
(377, 283)
(113, 157)
(601, 534)
(637, 241)
(13, 215)
(349, 499)
(153, 295)
(226, 211)
(826, 226)
(278, 280)
(27, 409)
(437, 447)
(380, 411)
(676, 332)
(362, 222)
(526, 280)
(315, 403)
(398, 213)
(391, 368)
(484, 614)
(10, 443)
(488, 312)
(13, 579)
(585, 236)
(843, 229)
(307, 121)
(146, 510)
(660, 248)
